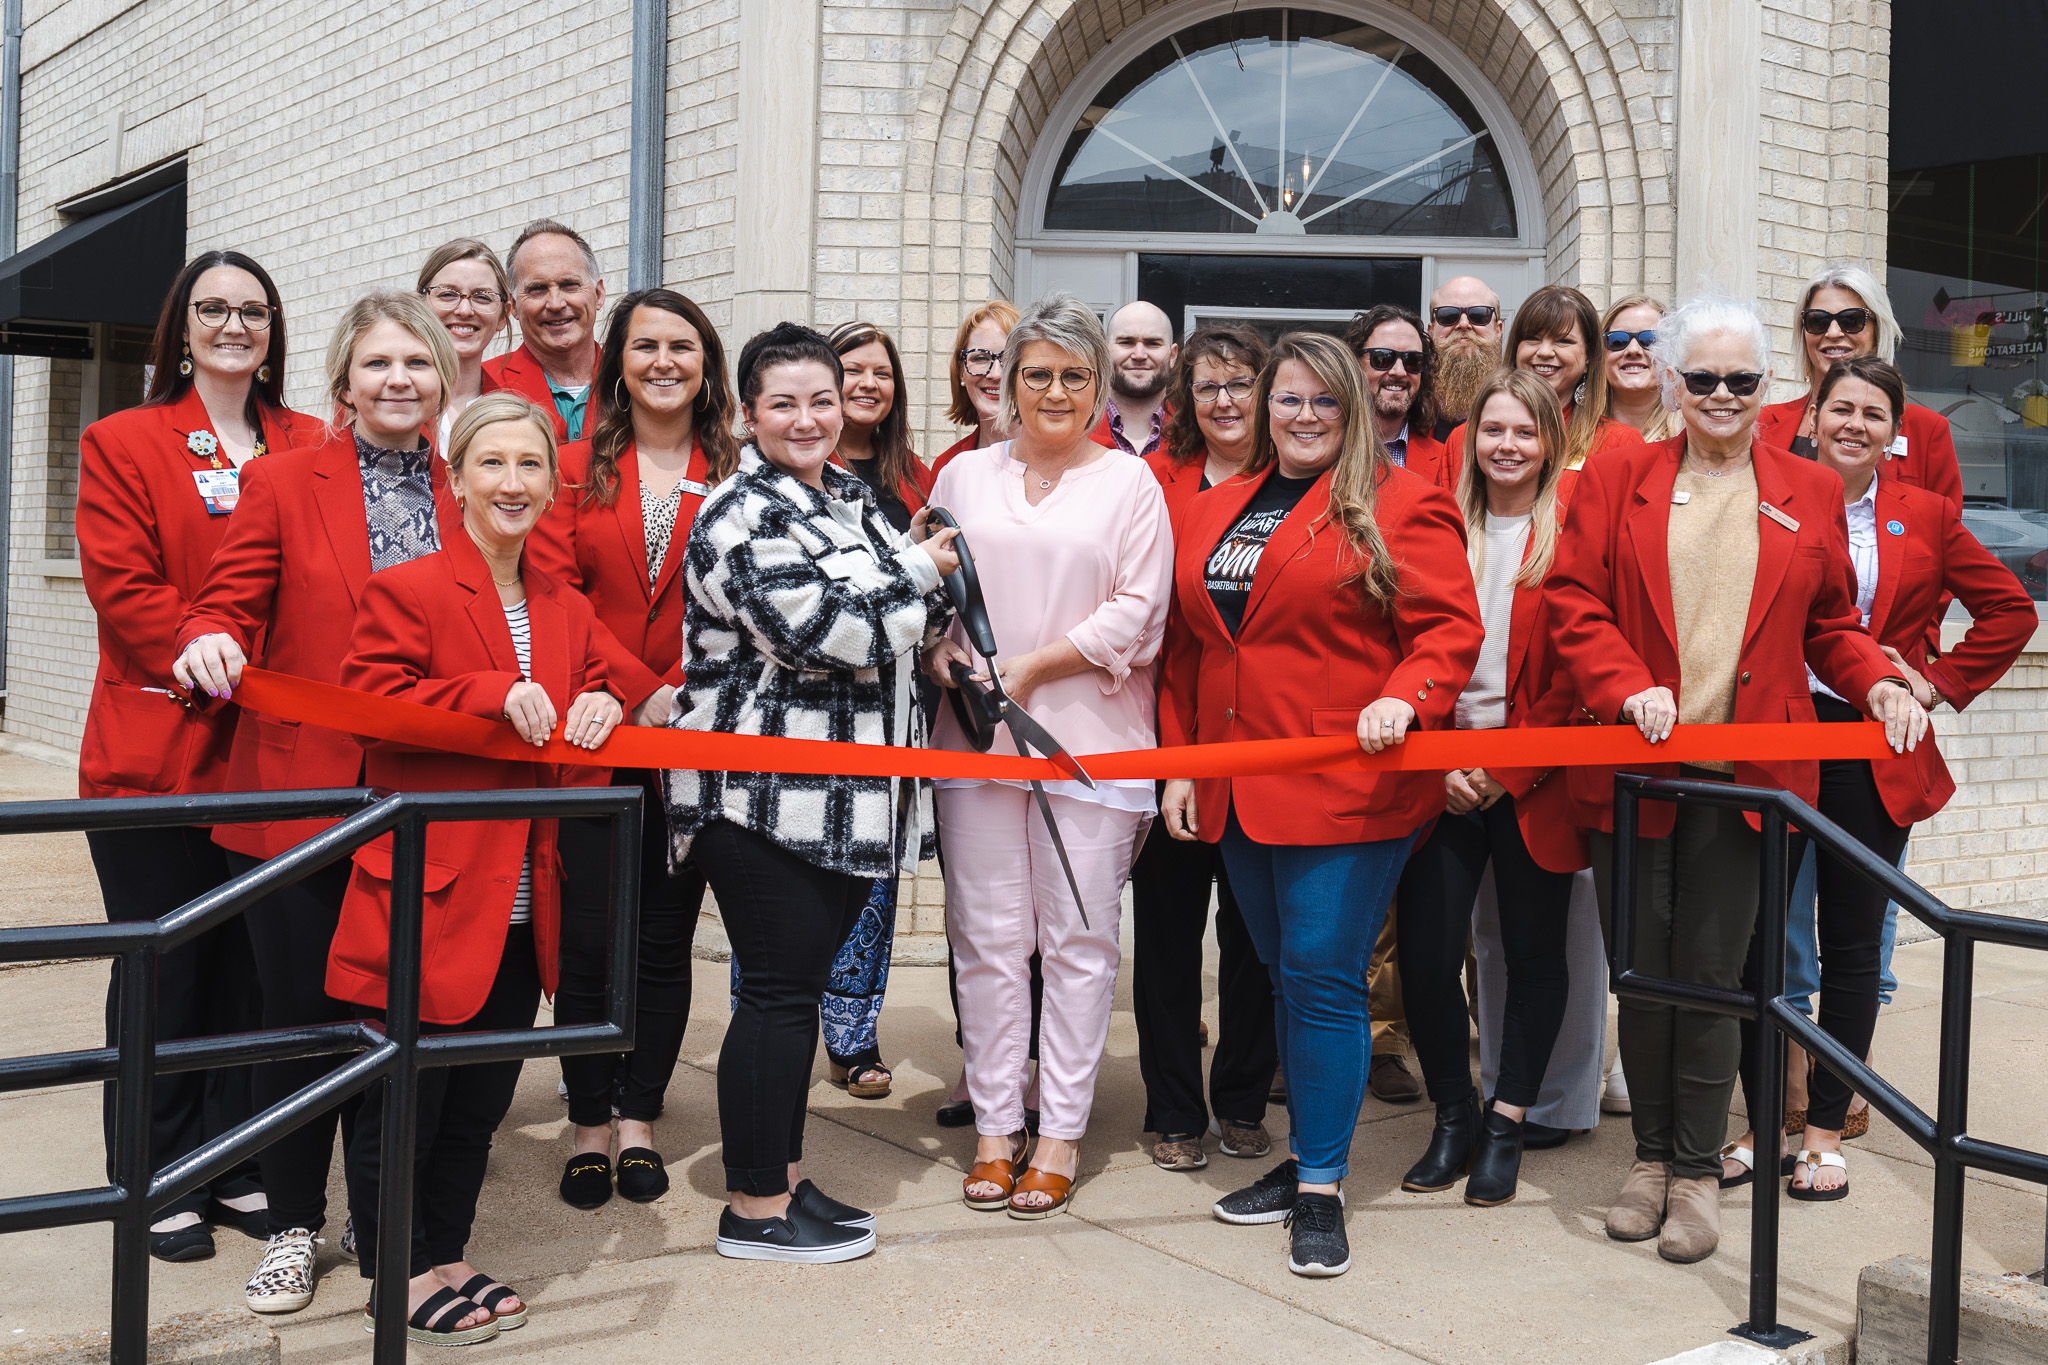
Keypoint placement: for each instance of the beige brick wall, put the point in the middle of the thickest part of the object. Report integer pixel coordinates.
(1989, 849)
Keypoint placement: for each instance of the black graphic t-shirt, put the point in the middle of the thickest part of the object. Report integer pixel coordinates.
(1235, 560)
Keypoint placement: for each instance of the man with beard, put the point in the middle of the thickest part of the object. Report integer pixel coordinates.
(1141, 343)
(1399, 362)
(1465, 324)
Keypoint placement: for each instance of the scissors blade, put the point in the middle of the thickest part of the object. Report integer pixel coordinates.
(1059, 846)
(1031, 734)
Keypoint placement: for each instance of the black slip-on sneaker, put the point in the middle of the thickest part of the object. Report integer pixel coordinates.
(1266, 1200)
(821, 1205)
(798, 1236)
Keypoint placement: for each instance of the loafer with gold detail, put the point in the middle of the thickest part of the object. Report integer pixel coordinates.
(587, 1180)
(643, 1177)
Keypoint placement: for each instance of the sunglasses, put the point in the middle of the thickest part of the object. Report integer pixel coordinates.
(1618, 341)
(1038, 378)
(1851, 320)
(1700, 383)
(1448, 314)
(1383, 358)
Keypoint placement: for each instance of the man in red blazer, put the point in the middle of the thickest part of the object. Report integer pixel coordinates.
(558, 291)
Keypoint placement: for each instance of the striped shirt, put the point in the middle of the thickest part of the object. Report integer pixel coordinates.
(522, 645)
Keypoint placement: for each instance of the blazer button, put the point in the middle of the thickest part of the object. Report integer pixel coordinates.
(1745, 676)
(1230, 713)
(1421, 695)
(652, 612)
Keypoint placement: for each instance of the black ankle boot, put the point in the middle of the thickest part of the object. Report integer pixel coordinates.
(1496, 1161)
(1450, 1147)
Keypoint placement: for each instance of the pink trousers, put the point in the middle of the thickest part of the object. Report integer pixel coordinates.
(1006, 898)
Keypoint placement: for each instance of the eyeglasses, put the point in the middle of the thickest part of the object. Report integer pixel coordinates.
(448, 296)
(1038, 378)
(1239, 389)
(1383, 358)
(978, 362)
(1448, 314)
(1618, 341)
(1700, 383)
(215, 312)
(1322, 407)
(1850, 320)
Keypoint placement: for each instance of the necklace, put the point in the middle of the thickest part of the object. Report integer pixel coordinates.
(1698, 468)
(505, 582)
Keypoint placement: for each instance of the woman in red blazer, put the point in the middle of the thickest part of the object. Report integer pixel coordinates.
(1845, 312)
(479, 630)
(1208, 439)
(1321, 591)
(616, 534)
(311, 526)
(977, 374)
(156, 490)
(1697, 579)
(1911, 554)
(1510, 489)
(1553, 337)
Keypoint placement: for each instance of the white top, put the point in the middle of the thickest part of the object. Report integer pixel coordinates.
(522, 645)
(1483, 705)
(1862, 515)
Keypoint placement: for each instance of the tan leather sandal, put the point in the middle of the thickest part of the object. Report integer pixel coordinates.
(853, 1080)
(1000, 1173)
(1035, 1181)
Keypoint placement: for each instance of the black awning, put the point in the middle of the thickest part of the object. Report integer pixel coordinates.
(115, 266)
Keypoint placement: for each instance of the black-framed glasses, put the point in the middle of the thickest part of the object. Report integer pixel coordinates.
(1239, 389)
(1073, 379)
(978, 362)
(1700, 383)
(214, 313)
(1851, 320)
(448, 296)
(1618, 341)
(1447, 315)
(1322, 407)
(1383, 358)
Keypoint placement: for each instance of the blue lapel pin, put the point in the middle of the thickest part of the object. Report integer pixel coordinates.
(1897, 528)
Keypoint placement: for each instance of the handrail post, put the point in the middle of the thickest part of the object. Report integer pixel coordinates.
(129, 1338)
(401, 1090)
(1767, 1122)
(1622, 898)
(622, 999)
(1951, 1121)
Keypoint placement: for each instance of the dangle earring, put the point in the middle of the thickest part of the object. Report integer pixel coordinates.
(185, 365)
(263, 374)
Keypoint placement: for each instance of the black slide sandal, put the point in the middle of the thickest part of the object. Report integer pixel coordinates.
(433, 1322)
(488, 1293)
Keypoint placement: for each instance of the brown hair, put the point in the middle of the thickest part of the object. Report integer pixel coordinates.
(1004, 315)
(468, 249)
(894, 457)
(1880, 374)
(167, 347)
(711, 414)
(548, 227)
(1231, 343)
(1541, 401)
(1362, 460)
(1555, 311)
(1422, 411)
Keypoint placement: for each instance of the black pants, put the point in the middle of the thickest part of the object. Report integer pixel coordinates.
(1848, 922)
(1435, 922)
(634, 1081)
(206, 987)
(460, 1108)
(1169, 912)
(291, 931)
(786, 919)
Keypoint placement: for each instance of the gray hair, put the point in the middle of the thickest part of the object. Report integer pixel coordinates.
(1063, 321)
(548, 227)
(1864, 286)
(1709, 315)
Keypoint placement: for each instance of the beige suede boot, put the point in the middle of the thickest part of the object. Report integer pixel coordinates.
(1692, 1227)
(1639, 1209)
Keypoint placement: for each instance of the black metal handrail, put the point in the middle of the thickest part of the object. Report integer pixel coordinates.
(1942, 1135)
(393, 1053)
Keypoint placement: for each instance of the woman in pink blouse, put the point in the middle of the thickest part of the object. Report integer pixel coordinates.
(1076, 563)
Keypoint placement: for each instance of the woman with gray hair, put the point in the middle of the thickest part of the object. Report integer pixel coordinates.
(1845, 312)
(1076, 562)
(1696, 581)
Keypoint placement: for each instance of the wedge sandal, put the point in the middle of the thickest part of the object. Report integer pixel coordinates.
(1002, 1174)
(1035, 1181)
(487, 1294)
(433, 1322)
(848, 1078)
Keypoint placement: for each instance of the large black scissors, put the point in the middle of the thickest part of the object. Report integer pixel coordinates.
(983, 707)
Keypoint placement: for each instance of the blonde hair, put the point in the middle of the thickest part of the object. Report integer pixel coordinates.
(1541, 401)
(1865, 286)
(1003, 314)
(1665, 424)
(470, 249)
(409, 311)
(1064, 321)
(1362, 460)
(503, 405)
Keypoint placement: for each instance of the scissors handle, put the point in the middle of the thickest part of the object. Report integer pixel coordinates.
(974, 707)
(963, 585)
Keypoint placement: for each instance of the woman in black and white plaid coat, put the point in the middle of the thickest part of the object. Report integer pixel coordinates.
(805, 612)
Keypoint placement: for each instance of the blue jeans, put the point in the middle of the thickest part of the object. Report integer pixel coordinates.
(1802, 954)
(1314, 913)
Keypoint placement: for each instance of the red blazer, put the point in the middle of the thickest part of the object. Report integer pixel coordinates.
(971, 441)
(601, 552)
(1929, 461)
(433, 631)
(145, 540)
(1433, 460)
(1178, 481)
(1309, 658)
(520, 371)
(284, 586)
(1610, 596)
(1929, 558)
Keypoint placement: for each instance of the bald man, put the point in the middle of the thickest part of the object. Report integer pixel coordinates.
(1141, 345)
(1467, 349)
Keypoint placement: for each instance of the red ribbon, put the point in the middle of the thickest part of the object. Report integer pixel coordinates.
(632, 746)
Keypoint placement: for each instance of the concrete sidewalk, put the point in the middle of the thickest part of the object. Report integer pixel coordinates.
(1139, 1271)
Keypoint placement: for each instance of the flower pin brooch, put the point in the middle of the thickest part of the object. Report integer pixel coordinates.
(204, 444)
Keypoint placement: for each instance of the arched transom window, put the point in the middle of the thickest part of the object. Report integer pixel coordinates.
(1282, 121)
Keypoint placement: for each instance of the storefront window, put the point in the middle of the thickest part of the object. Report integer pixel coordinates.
(1282, 121)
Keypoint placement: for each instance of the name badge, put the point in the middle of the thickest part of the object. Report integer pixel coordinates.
(1897, 449)
(1775, 515)
(219, 489)
(1679, 497)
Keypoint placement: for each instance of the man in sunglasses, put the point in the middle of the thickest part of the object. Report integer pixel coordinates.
(1142, 345)
(1398, 360)
(1465, 326)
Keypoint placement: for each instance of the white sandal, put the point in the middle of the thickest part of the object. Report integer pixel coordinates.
(1746, 1158)
(1815, 1162)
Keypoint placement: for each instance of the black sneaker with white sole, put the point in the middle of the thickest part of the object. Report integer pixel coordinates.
(1316, 1244)
(1266, 1200)
(821, 1205)
(798, 1236)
